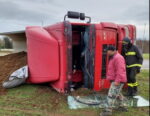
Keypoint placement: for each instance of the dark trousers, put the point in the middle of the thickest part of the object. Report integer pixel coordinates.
(131, 77)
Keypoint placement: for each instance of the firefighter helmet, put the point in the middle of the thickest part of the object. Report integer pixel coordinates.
(126, 41)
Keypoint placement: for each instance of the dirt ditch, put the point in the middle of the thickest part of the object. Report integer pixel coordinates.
(10, 63)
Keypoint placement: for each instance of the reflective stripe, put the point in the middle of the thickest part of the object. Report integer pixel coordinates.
(130, 53)
(130, 85)
(125, 42)
(133, 84)
(133, 65)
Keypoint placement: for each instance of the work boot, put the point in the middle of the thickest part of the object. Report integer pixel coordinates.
(106, 113)
(134, 94)
(135, 90)
(130, 92)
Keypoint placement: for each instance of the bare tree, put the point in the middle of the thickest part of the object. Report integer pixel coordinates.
(7, 43)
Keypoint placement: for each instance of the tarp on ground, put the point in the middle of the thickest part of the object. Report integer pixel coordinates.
(76, 102)
(17, 78)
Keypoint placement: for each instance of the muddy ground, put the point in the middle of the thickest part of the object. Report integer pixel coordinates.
(10, 63)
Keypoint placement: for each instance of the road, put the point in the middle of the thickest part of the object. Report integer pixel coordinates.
(145, 64)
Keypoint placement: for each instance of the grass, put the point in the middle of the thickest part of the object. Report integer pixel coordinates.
(146, 56)
(39, 100)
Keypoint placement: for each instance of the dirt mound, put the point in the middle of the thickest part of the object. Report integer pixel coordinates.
(10, 63)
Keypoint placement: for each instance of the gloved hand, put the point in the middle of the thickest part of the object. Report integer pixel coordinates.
(138, 70)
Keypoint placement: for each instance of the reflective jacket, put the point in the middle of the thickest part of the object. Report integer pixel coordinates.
(133, 57)
(117, 69)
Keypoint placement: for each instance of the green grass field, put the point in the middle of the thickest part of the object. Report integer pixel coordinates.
(39, 100)
(146, 56)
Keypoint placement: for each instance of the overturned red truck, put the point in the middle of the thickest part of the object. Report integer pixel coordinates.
(68, 52)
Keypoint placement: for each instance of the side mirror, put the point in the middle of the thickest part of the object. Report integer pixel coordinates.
(76, 15)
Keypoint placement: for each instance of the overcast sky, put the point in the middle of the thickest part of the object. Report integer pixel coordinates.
(17, 14)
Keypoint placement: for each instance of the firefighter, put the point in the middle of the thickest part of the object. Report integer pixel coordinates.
(134, 61)
(116, 74)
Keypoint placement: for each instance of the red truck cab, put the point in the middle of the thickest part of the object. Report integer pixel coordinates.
(67, 53)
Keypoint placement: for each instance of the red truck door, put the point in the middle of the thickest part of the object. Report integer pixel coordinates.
(106, 34)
